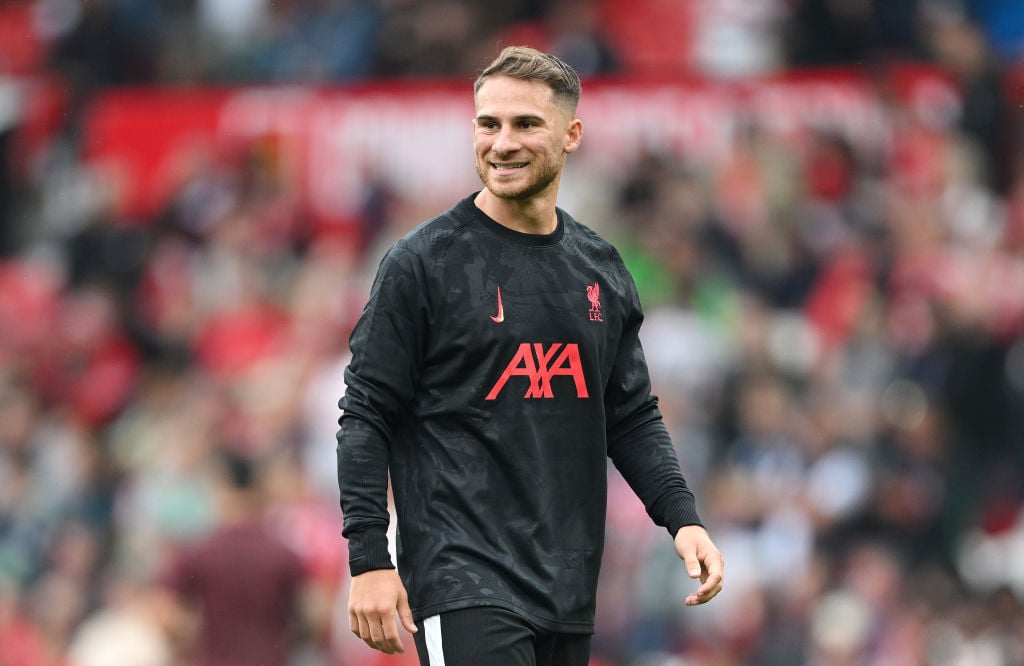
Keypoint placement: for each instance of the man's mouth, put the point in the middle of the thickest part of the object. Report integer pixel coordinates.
(508, 167)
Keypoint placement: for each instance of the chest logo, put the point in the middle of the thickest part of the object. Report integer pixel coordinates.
(500, 317)
(539, 364)
(594, 296)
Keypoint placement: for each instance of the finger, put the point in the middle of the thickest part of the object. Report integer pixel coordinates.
(715, 564)
(689, 555)
(711, 581)
(392, 641)
(364, 631)
(405, 615)
(377, 637)
(353, 622)
(706, 592)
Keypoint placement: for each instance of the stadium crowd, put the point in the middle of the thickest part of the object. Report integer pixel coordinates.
(836, 336)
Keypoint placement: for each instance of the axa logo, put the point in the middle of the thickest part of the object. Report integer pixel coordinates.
(539, 364)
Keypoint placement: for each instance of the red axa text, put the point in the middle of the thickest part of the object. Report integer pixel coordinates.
(539, 365)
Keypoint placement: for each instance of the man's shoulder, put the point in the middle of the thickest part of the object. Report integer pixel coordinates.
(587, 237)
(431, 236)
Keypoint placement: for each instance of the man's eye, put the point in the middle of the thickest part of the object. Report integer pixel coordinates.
(526, 124)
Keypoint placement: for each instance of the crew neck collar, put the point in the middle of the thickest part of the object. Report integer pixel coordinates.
(468, 206)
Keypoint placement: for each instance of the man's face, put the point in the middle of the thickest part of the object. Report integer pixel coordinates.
(521, 135)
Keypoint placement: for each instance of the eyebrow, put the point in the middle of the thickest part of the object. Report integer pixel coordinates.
(484, 117)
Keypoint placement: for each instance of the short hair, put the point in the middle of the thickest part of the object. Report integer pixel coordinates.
(528, 64)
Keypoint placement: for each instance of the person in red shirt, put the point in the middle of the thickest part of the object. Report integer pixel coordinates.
(243, 583)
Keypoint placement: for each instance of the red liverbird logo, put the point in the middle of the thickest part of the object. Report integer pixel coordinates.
(594, 296)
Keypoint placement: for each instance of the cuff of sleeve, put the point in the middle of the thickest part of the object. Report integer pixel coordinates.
(368, 550)
(683, 512)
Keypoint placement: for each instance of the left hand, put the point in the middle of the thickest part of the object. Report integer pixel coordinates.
(702, 560)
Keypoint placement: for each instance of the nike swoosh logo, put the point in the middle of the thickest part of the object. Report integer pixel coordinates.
(500, 317)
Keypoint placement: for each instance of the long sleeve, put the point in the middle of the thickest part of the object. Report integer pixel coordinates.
(638, 442)
(380, 387)
(493, 374)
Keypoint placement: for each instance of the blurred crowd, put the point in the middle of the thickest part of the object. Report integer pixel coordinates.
(836, 335)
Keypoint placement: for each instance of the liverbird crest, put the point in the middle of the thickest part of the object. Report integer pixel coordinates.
(594, 296)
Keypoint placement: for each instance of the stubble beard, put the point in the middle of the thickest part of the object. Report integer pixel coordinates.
(517, 192)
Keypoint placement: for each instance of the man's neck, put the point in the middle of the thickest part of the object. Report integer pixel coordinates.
(531, 216)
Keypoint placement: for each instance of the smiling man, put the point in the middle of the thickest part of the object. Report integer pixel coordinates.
(524, 130)
(495, 368)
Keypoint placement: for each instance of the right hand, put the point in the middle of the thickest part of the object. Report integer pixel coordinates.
(373, 602)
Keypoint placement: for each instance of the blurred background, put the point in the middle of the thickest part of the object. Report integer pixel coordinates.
(822, 202)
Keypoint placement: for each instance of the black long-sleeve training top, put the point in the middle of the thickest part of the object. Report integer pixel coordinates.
(493, 373)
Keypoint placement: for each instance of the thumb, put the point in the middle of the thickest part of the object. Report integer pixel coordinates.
(405, 615)
(689, 556)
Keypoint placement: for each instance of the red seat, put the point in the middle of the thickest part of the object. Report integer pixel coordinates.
(22, 50)
(651, 36)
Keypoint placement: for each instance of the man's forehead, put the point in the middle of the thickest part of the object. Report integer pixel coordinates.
(507, 96)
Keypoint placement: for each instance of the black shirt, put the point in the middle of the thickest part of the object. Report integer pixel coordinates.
(493, 373)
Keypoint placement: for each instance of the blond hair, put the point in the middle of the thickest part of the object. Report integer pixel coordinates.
(528, 64)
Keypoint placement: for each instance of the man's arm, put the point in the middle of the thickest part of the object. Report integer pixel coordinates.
(638, 442)
(377, 593)
(641, 449)
(380, 386)
(643, 454)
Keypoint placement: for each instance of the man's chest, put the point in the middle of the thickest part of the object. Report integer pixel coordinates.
(528, 322)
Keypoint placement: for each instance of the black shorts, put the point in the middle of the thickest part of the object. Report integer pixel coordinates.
(496, 637)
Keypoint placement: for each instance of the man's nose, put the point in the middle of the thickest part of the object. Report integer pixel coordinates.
(506, 141)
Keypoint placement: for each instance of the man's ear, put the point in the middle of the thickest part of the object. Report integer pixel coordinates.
(573, 135)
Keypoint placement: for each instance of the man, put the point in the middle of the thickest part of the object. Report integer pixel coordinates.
(241, 585)
(495, 368)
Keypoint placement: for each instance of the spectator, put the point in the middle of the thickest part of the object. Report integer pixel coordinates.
(126, 630)
(243, 581)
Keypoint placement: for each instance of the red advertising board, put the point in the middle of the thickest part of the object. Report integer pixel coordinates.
(329, 143)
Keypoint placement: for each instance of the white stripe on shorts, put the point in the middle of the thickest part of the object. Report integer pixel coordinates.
(432, 637)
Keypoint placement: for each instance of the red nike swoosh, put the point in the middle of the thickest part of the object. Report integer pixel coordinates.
(500, 317)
